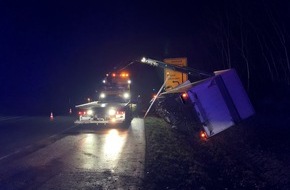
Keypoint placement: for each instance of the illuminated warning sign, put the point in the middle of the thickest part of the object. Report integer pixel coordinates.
(176, 78)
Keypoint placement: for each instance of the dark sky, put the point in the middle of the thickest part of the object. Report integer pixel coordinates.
(54, 53)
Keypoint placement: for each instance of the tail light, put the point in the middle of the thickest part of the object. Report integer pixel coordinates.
(184, 97)
(203, 135)
(120, 113)
(82, 113)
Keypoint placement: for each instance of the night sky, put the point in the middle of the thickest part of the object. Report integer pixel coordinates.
(53, 54)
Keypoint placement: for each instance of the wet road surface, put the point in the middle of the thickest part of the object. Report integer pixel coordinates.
(76, 157)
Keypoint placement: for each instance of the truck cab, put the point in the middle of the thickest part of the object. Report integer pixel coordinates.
(113, 104)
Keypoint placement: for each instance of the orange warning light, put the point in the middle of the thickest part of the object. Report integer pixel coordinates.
(124, 75)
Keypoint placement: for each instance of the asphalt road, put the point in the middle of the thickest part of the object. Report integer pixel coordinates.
(39, 153)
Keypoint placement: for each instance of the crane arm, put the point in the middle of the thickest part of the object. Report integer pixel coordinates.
(187, 70)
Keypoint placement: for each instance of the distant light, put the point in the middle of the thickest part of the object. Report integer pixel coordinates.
(89, 99)
(129, 81)
(104, 81)
(114, 75)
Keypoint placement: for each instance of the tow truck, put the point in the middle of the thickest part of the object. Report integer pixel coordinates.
(210, 105)
(113, 104)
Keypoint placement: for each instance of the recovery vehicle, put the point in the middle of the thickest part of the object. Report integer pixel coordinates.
(113, 104)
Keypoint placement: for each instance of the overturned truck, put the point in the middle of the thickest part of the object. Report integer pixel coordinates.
(213, 104)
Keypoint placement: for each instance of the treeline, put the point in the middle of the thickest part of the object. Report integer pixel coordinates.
(252, 37)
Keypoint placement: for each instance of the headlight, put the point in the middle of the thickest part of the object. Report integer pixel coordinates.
(112, 112)
(102, 95)
(126, 95)
(90, 112)
(143, 60)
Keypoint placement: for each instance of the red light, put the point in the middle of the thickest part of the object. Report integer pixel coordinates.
(120, 113)
(80, 113)
(184, 95)
(114, 75)
(203, 135)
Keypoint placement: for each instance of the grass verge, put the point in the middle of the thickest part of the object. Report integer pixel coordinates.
(169, 158)
(234, 159)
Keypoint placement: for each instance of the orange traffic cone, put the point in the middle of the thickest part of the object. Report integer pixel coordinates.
(51, 115)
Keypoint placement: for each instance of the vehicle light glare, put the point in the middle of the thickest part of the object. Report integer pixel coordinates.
(126, 95)
(102, 95)
(90, 112)
(129, 81)
(111, 112)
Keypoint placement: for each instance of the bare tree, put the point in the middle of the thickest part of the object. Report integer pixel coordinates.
(282, 39)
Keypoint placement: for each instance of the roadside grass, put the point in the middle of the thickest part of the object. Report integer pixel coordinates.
(170, 162)
(234, 159)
